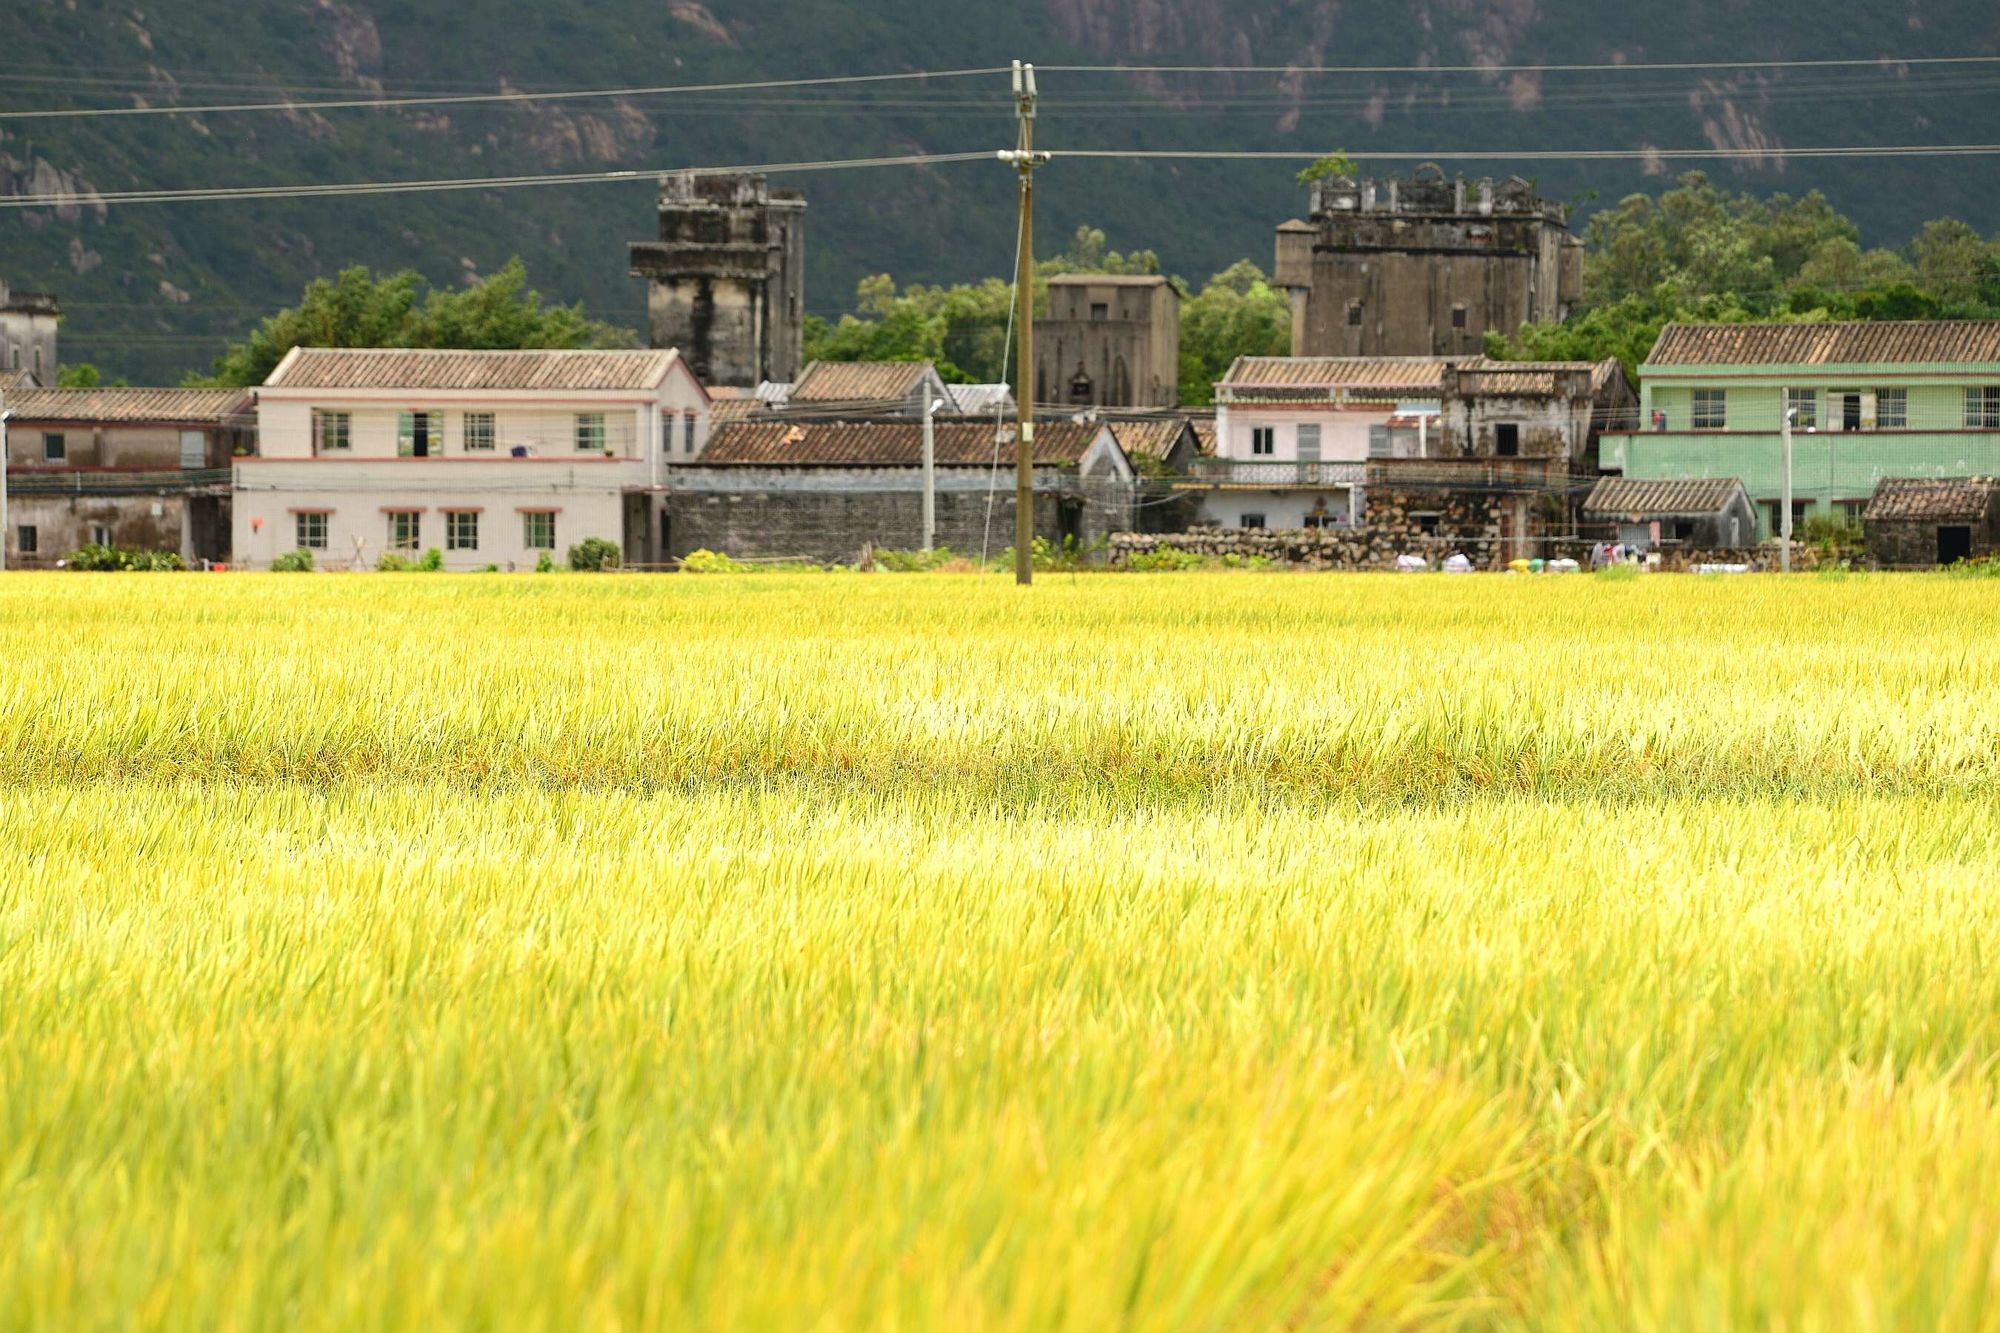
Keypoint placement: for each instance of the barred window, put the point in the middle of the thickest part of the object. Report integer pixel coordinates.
(1892, 409)
(590, 432)
(538, 531)
(335, 432)
(312, 532)
(1982, 407)
(479, 432)
(405, 532)
(1711, 409)
(461, 530)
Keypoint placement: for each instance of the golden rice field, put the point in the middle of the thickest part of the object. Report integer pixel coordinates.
(909, 952)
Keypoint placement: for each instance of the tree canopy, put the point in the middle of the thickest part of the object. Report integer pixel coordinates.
(360, 309)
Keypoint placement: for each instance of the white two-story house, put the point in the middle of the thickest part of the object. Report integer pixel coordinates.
(492, 458)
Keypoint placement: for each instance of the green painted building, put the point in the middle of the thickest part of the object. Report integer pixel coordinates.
(1873, 400)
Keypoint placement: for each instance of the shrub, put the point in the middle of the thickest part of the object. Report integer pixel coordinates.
(1834, 536)
(117, 560)
(1164, 557)
(711, 562)
(293, 562)
(594, 555)
(915, 562)
(545, 564)
(1987, 568)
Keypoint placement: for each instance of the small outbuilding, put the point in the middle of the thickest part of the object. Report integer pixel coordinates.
(1709, 513)
(1922, 522)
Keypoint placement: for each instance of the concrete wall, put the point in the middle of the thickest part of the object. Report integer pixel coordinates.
(132, 448)
(1281, 510)
(195, 527)
(547, 431)
(828, 514)
(1914, 545)
(356, 497)
(28, 342)
(1343, 432)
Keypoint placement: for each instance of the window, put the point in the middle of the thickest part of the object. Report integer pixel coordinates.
(1099, 310)
(1711, 409)
(1354, 314)
(1263, 441)
(1458, 316)
(420, 435)
(538, 530)
(55, 449)
(1982, 408)
(1804, 406)
(100, 534)
(461, 530)
(1892, 409)
(1380, 445)
(590, 432)
(1851, 510)
(28, 541)
(335, 431)
(405, 532)
(687, 432)
(312, 532)
(1774, 511)
(1250, 521)
(1309, 444)
(480, 433)
(1507, 440)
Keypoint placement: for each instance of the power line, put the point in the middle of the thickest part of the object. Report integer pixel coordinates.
(1602, 67)
(358, 188)
(475, 99)
(1537, 154)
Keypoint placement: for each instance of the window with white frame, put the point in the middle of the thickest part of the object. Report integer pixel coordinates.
(1803, 404)
(100, 534)
(420, 435)
(405, 530)
(480, 432)
(590, 432)
(1711, 409)
(1263, 441)
(311, 531)
(687, 432)
(461, 530)
(538, 530)
(1982, 407)
(1892, 409)
(334, 432)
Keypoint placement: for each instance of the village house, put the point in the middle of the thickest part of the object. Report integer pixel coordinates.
(1109, 340)
(1424, 265)
(869, 388)
(138, 469)
(492, 458)
(1870, 401)
(1455, 450)
(1921, 522)
(823, 490)
(28, 323)
(1710, 514)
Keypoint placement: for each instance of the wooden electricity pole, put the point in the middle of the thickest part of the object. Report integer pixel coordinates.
(1025, 159)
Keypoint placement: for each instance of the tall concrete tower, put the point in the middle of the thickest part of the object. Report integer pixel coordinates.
(726, 280)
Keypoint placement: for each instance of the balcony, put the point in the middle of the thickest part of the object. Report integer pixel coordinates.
(1266, 474)
(83, 481)
(1471, 474)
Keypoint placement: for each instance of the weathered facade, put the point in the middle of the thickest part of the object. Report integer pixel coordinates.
(1923, 522)
(1708, 514)
(139, 469)
(491, 457)
(1425, 265)
(726, 278)
(28, 323)
(1109, 341)
(821, 491)
(1870, 401)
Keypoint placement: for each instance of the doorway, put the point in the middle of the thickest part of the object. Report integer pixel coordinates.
(1954, 545)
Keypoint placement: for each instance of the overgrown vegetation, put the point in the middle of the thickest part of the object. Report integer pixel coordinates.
(120, 560)
(299, 561)
(395, 562)
(594, 555)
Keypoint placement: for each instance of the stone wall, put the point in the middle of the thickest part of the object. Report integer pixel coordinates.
(1914, 545)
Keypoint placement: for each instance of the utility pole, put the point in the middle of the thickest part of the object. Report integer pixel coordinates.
(931, 406)
(1785, 487)
(1024, 160)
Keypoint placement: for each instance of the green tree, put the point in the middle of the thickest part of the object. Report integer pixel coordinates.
(83, 375)
(1238, 313)
(360, 309)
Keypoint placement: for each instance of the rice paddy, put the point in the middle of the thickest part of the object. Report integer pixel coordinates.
(1211, 951)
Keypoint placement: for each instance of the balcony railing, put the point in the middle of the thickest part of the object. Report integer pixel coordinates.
(1469, 473)
(1272, 472)
(79, 481)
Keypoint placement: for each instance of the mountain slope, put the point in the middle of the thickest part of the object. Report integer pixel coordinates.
(152, 290)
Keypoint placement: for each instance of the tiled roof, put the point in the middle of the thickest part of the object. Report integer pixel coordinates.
(981, 400)
(1153, 437)
(400, 368)
(858, 381)
(1204, 434)
(1618, 497)
(1108, 280)
(1534, 377)
(163, 406)
(733, 409)
(1929, 498)
(13, 381)
(887, 443)
(1884, 342)
(1291, 374)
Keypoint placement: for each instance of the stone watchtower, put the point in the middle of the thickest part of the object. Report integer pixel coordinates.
(1109, 341)
(726, 279)
(1424, 265)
